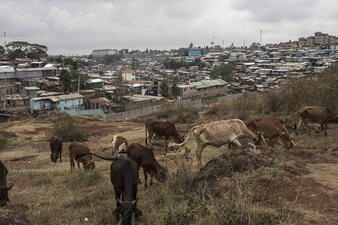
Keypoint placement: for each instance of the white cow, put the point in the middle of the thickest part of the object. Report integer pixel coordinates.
(219, 133)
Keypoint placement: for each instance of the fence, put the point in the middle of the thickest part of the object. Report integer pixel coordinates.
(134, 114)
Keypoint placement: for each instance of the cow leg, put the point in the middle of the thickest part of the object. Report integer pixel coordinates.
(60, 157)
(78, 164)
(150, 137)
(145, 178)
(325, 128)
(72, 164)
(116, 212)
(299, 124)
(199, 150)
(236, 142)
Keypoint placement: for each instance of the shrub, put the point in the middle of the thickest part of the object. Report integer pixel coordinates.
(69, 129)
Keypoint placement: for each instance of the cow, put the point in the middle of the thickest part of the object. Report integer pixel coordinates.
(219, 133)
(162, 128)
(116, 142)
(3, 185)
(123, 176)
(76, 148)
(271, 128)
(316, 114)
(56, 148)
(144, 157)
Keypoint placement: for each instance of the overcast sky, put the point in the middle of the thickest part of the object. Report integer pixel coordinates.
(79, 26)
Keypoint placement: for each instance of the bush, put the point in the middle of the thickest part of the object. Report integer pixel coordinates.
(69, 129)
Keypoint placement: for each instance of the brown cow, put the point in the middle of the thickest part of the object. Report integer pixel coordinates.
(316, 114)
(271, 128)
(116, 142)
(218, 133)
(145, 158)
(3, 185)
(77, 148)
(56, 148)
(162, 128)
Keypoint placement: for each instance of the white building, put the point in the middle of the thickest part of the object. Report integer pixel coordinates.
(103, 52)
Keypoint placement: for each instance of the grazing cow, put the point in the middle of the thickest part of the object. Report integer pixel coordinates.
(162, 128)
(3, 185)
(123, 176)
(144, 157)
(271, 128)
(77, 148)
(56, 148)
(316, 114)
(116, 142)
(219, 133)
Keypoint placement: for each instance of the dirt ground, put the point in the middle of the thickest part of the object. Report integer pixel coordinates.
(314, 189)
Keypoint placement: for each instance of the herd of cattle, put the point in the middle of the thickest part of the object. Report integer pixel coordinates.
(129, 158)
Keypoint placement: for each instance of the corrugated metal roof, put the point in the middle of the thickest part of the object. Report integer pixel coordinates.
(6, 69)
(209, 83)
(64, 97)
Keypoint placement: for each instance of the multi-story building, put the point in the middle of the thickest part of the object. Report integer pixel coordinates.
(103, 52)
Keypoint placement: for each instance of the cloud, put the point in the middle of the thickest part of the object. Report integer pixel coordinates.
(79, 26)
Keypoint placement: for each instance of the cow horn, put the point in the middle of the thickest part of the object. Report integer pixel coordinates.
(118, 200)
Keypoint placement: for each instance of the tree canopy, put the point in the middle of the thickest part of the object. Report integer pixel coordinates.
(22, 49)
(224, 72)
(164, 87)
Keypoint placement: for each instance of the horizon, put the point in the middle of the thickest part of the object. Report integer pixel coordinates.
(69, 28)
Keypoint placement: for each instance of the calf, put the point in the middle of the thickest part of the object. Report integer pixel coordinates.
(75, 149)
(316, 114)
(116, 142)
(144, 157)
(271, 128)
(3, 185)
(56, 148)
(218, 133)
(123, 176)
(162, 128)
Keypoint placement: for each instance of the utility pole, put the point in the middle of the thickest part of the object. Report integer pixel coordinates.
(78, 85)
(5, 38)
(5, 105)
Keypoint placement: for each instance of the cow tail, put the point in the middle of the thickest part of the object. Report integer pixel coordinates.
(146, 141)
(90, 153)
(183, 143)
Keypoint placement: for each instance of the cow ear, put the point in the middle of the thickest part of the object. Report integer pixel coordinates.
(9, 188)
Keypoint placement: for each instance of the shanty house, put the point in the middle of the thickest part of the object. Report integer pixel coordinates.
(58, 102)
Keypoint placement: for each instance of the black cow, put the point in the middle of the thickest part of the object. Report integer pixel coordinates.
(55, 148)
(123, 176)
(3, 185)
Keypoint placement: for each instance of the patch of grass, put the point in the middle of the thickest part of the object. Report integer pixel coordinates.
(41, 178)
(3, 143)
(82, 179)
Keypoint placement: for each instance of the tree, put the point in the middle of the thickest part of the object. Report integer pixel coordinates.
(2, 50)
(164, 87)
(191, 45)
(224, 72)
(175, 91)
(22, 49)
(65, 80)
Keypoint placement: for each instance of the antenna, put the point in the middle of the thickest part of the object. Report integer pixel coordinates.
(261, 37)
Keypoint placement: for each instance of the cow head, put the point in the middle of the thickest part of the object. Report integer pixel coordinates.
(4, 195)
(288, 141)
(162, 174)
(89, 165)
(53, 157)
(127, 208)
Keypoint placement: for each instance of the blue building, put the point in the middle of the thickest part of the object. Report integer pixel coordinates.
(194, 52)
(58, 102)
